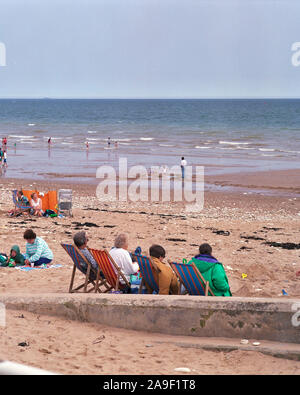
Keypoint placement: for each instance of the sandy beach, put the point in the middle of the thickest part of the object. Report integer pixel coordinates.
(177, 123)
(251, 234)
(72, 347)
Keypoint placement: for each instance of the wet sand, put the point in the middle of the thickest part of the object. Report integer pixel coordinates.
(276, 180)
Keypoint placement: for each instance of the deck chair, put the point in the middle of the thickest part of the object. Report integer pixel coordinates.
(91, 277)
(18, 205)
(147, 267)
(191, 278)
(110, 269)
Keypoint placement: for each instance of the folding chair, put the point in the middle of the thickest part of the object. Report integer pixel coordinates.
(19, 205)
(84, 266)
(110, 269)
(147, 268)
(191, 278)
(65, 202)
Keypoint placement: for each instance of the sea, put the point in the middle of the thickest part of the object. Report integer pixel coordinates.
(224, 136)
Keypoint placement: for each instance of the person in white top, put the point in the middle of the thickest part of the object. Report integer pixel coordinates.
(5, 158)
(183, 164)
(122, 258)
(36, 205)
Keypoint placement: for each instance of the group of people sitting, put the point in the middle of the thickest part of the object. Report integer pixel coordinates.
(211, 269)
(37, 252)
(34, 205)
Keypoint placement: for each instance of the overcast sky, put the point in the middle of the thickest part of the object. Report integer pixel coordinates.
(149, 48)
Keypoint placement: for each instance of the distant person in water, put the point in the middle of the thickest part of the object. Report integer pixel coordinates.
(49, 141)
(116, 144)
(183, 163)
(5, 158)
(87, 145)
(108, 142)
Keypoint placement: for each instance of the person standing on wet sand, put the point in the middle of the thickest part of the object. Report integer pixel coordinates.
(183, 163)
(108, 142)
(5, 158)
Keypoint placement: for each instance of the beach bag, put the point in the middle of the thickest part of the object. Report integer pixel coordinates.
(50, 213)
(3, 260)
(135, 282)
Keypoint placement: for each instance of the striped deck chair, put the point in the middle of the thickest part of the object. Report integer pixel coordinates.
(191, 278)
(110, 269)
(18, 205)
(80, 263)
(146, 268)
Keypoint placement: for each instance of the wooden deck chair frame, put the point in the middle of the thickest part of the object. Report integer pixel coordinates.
(17, 204)
(110, 269)
(96, 284)
(144, 269)
(204, 284)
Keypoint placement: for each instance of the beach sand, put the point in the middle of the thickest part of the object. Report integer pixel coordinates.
(72, 347)
(241, 227)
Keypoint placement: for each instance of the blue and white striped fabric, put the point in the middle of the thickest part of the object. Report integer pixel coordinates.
(39, 249)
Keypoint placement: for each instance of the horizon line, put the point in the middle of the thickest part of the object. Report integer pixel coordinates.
(150, 98)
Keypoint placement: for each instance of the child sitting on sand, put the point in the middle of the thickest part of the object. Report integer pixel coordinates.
(15, 258)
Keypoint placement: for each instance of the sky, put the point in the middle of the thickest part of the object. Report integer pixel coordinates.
(149, 48)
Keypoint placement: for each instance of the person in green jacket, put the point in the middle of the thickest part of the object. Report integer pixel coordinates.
(212, 270)
(16, 258)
